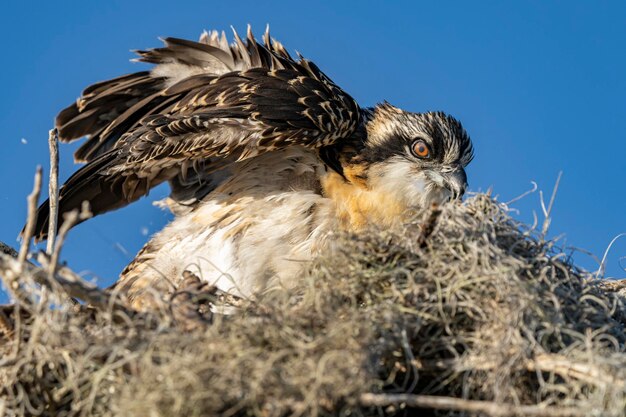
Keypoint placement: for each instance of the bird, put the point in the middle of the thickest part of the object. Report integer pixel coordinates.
(266, 158)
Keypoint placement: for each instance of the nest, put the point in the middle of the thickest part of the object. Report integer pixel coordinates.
(464, 313)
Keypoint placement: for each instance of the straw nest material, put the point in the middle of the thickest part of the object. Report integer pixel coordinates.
(464, 312)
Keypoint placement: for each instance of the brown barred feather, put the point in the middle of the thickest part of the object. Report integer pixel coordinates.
(232, 102)
(100, 106)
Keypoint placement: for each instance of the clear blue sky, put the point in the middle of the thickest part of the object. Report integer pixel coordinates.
(540, 86)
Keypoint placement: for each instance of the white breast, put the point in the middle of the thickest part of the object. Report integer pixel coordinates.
(256, 231)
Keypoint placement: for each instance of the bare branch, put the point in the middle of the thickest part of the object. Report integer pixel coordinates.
(548, 211)
(561, 365)
(65, 280)
(554, 190)
(33, 199)
(602, 267)
(53, 188)
(557, 364)
(472, 406)
(74, 285)
(11, 273)
(524, 194)
(69, 220)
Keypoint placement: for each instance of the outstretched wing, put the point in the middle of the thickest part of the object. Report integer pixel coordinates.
(205, 104)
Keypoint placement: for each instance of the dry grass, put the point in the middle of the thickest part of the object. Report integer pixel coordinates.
(482, 317)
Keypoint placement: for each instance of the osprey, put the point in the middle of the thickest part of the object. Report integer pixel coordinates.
(264, 154)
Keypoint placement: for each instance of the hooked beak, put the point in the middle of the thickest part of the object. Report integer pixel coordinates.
(456, 182)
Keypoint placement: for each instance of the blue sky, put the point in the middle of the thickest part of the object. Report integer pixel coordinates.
(539, 85)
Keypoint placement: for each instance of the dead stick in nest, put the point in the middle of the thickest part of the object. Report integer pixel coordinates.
(70, 219)
(585, 372)
(558, 364)
(73, 285)
(33, 199)
(11, 276)
(53, 188)
(64, 279)
(471, 406)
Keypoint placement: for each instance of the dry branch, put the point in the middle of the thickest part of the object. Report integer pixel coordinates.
(70, 219)
(33, 199)
(586, 372)
(72, 284)
(53, 188)
(470, 406)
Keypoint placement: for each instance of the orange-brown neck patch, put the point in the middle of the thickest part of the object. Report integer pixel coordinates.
(356, 204)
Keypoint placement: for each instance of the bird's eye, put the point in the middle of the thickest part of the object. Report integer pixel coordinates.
(420, 149)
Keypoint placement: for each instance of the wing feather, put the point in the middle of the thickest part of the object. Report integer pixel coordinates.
(231, 103)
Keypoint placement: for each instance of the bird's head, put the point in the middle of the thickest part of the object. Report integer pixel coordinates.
(416, 158)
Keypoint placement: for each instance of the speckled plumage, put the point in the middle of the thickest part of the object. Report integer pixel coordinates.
(265, 156)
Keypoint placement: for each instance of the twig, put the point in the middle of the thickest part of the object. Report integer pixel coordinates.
(546, 212)
(558, 364)
(588, 373)
(554, 190)
(74, 285)
(33, 198)
(11, 272)
(602, 266)
(53, 188)
(69, 220)
(524, 194)
(472, 406)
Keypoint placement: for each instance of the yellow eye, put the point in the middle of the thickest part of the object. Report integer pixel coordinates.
(420, 149)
